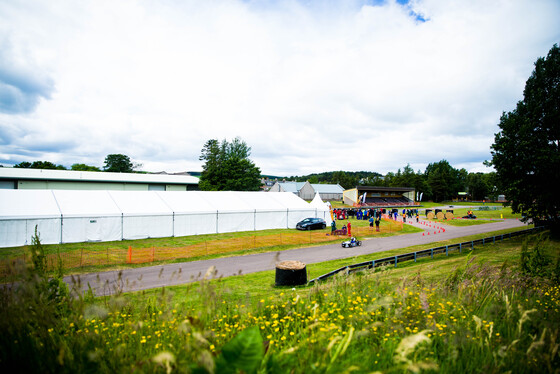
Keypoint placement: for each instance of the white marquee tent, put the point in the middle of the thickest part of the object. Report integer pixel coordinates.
(65, 216)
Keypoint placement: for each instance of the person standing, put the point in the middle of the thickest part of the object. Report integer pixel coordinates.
(349, 229)
(377, 221)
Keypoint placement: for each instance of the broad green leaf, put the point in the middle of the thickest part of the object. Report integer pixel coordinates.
(245, 351)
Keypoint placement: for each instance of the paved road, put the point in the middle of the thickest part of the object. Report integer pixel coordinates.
(110, 282)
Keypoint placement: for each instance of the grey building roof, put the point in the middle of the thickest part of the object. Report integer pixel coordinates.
(291, 186)
(327, 188)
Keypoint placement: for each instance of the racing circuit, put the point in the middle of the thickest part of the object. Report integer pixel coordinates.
(111, 282)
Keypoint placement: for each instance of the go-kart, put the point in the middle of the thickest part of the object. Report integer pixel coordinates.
(351, 243)
(470, 216)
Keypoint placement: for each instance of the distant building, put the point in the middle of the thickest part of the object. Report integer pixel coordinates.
(379, 196)
(46, 179)
(307, 191)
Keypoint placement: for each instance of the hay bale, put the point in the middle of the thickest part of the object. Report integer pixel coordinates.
(449, 215)
(430, 215)
(291, 273)
(440, 215)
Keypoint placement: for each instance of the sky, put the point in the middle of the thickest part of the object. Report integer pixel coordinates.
(310, 86)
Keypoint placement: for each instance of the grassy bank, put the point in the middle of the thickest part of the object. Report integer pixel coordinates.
(495, 309)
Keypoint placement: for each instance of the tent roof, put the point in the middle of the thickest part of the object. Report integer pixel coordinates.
(289, 200)
(16, 204)
(191, 202)
(318, 203)
(139, 203)
(87, 203)
(98, 203)
(226, 201)
(262, 201)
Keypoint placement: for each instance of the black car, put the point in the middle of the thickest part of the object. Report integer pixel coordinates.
(311, 224)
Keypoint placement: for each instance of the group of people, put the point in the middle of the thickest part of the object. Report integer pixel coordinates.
(377, 221)
(406, 213)
(347, 229)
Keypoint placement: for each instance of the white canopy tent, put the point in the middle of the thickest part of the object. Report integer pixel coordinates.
(323, 209)
(69, 216)
(22, 210)
(96, 218)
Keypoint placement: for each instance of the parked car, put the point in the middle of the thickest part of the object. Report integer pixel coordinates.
(311, 224)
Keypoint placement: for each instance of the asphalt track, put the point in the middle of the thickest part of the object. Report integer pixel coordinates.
(111, 282)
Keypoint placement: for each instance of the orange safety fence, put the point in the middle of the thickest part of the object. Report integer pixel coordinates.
(120, 256)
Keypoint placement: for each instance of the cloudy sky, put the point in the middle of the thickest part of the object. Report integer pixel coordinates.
(311, 86)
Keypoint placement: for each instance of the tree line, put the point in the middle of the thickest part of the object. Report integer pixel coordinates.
(116, 163)
(440, 181)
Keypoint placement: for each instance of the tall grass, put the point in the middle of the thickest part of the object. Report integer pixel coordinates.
(478, 317)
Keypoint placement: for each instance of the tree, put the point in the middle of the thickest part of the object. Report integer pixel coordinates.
(477, 186)
(211, 176)
(39, 165)
(444, 181)
(526, 150)
(118, 163)
(227, 167)
(23, 165)
(346, 180)
(84, 167)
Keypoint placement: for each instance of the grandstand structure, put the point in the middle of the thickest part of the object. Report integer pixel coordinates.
(381, 197)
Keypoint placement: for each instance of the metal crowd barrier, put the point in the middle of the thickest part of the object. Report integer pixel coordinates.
(394, 260)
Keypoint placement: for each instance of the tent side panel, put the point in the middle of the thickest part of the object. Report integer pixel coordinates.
(13, 233)
(236, 221)
(91, 229)
(195, 224)
(48, 229)
(142, 227)
(271, 220)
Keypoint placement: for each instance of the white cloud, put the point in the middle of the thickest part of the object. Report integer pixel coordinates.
(310, 88)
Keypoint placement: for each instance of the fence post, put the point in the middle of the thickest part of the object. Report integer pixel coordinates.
(460, 248)
(447, 250)
(414, 256)
(373, 264)
(395, 261)
(432, 253)
(129, 254)
(472, 244)
(494, 239)
(482, 241)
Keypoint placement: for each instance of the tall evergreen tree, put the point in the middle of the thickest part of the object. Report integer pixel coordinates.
(227, 167)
